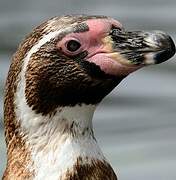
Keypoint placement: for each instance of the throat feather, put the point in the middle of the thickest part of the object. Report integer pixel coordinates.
(57, 141)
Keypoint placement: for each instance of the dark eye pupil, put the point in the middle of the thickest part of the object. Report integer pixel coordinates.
(73, 45)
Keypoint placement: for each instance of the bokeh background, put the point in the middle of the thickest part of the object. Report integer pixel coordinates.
(136, 124)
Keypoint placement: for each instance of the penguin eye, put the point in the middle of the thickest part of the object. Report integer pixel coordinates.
(73, 45)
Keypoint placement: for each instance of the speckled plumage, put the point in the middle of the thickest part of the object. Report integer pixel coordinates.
(51, 94)
(18, 153)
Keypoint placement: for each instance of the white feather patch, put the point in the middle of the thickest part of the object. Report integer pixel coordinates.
(53, 150)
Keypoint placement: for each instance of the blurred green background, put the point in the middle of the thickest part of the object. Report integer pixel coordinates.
(136, 124)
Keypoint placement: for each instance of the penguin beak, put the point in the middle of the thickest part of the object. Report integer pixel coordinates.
(141, 48)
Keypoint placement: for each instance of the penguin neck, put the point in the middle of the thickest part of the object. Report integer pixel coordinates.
(64, 123)
(60, 140)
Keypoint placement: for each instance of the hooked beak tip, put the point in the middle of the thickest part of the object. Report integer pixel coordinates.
(163, 45)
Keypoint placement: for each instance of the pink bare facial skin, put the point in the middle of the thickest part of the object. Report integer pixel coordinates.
(98, 53)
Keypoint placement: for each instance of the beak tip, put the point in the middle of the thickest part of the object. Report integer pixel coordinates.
(167, 52)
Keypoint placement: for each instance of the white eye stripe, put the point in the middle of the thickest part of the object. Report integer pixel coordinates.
(46, 39)
(20, 99)
(25, 113)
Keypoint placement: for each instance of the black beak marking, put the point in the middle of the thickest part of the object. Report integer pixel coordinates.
(136, 45)
(166, 53)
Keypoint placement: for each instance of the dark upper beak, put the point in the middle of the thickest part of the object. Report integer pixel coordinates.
(143, 48)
